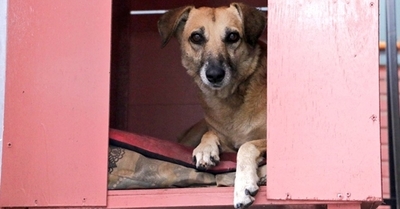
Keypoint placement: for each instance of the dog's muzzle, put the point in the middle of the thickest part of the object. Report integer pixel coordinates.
(215, 75)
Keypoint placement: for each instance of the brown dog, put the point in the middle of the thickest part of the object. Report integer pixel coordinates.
(220, 51)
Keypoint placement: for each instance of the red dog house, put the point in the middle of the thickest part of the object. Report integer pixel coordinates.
(323, 105)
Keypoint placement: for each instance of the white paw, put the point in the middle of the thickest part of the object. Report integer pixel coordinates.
(206, 155)
(246, 189)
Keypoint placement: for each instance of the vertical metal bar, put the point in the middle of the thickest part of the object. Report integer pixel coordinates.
(393, 103)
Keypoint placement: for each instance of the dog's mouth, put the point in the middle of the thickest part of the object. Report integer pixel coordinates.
(215, 76)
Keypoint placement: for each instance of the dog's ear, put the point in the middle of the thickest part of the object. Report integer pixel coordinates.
(170, 22)
(254, 22)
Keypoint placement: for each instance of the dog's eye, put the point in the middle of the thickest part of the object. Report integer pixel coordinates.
(232, 37)
(196, 38)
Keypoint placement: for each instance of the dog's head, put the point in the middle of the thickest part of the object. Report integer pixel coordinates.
(219, 45)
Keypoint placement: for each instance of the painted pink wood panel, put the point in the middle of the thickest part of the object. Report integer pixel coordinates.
(57, 103)
(323, 100)
(177, 198)
(207, 197)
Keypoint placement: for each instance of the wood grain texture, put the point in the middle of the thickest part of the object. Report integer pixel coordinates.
(323, 100)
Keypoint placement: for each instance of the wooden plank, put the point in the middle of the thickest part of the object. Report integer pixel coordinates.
(206, 197)
(56, 103)
(323, 101)
(344, 206)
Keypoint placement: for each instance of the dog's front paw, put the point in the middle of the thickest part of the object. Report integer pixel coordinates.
(206, 155)
(246, 189)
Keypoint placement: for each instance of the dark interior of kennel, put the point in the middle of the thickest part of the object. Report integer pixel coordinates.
(151, 93)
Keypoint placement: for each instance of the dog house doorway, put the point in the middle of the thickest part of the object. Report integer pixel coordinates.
(151, 94)
(150, 91)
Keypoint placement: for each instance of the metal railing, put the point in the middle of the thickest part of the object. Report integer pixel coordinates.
(393, 106)
(162, 11)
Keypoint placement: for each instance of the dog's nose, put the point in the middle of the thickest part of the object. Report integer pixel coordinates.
(215, 75)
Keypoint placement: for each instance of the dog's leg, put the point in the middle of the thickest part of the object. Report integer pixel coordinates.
(206, 154)
(193, 135)
(249, 154)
